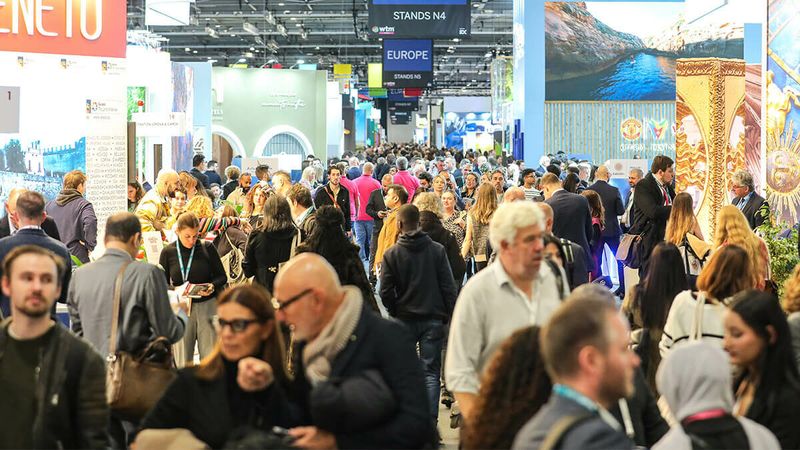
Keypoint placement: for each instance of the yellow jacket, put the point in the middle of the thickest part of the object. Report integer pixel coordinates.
(153, 211)
(388, 237)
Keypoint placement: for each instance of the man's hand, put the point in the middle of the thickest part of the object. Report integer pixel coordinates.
(254, 374)
(382, 214)
(313, 438)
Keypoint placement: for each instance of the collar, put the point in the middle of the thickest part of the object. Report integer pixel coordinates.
(302, 217)
(29, 227)
(118, 252)
(746, 198)
(659, 183)
(502, 277)
(558, 190)
(567, 392)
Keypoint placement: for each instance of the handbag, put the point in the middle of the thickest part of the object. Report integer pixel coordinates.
(232, 262)
(630, 250)
(134, 384)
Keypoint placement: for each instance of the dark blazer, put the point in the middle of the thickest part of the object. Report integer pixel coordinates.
(578, 274)
(388, 347)
(324, 197)
(201, 177)
(648, 425)
(751, 209)
(213, 177)
(780, 413)
(376, 204)
(265, 252)
(612, 202)
(651, 214)
(49, 226)
(572, 220)
(432, 226)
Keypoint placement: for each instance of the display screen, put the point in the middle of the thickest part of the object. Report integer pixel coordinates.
(436, 19)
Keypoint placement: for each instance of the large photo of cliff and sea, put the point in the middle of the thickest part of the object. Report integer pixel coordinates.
(626, 51)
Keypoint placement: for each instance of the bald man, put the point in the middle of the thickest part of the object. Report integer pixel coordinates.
(612, 202)
(576, 270)
(513, 194)
(340, 338)
(9, 224)
(153, 209)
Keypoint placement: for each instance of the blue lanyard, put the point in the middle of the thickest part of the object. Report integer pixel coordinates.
(577, 397)
(185, 273)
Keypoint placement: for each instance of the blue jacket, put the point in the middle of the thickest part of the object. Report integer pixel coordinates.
(77, 223)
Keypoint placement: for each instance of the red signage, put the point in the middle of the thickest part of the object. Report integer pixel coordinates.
(64, 27)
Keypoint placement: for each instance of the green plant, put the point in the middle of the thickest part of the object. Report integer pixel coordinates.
(781, 239)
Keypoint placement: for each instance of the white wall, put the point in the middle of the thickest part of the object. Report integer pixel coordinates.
(467, 104)
(400, 133)
(335, 125)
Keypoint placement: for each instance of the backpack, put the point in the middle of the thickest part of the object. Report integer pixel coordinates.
(232, 262)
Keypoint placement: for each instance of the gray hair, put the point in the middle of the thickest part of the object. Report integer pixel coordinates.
(428, 201)
(402, 163)
(639, 172)
(743, 178)
(594, 291)
(509, 218)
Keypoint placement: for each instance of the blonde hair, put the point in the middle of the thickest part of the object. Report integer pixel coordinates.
(201, 206)
(732, 228)
(791, 292)
(428, 201)
(681, 219)
(485, 205)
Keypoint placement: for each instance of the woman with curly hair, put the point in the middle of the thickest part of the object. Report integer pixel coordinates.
(478, 226)
(329, 241)
(791, 305)
(514, 387)
(732, 228)
(254, 205)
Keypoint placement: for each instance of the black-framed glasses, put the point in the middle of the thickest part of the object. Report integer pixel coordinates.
(236, 325)
(279, 305)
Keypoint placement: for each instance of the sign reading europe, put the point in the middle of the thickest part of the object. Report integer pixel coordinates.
(434, 19)
(407, 63)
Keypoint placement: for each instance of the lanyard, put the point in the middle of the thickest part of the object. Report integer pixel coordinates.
(185, 273)
(577, 397)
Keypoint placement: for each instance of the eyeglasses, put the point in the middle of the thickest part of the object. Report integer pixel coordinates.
(279, 305)
(236, 325)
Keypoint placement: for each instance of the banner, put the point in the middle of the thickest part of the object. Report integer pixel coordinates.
(87, 27)
(374, 76)
(342, 71)
(435, 19)
(408, 105)
(400, 117)
(9, 109)
(407, 63)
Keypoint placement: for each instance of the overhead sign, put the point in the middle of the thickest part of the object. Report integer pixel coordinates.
(407, 63)
(342, 71)
(374, 76)
(66, 27)
(156, 124)
(9, 109)
(435, 19)
(400, 117)
(409, 105)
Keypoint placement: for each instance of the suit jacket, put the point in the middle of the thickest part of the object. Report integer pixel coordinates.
(651, 215)
(612, 202)
(572, 220)
(49, 226)
(751, 209)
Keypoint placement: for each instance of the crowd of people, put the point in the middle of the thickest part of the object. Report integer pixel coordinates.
(342, 309)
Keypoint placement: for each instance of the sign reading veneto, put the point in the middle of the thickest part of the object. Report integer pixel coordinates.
(434, 19)
(407, 63)
(66, 27)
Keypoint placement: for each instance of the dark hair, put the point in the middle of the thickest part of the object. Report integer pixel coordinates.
(16, 252)
(30, 205)
(550, 238)
(121, 227)
(729, 272)
(661, 162)
(776, 364)
(301, 195)
(197, 160)
(596, 206)
(138, 188)
(666, 277)
(525, 173)
(333, 167)
(571, 183)
(212, 163)
(515, 386)
(262, 170)
(426, 176)
(408, 215)
(277, 215)
(552, 168)
(400, 191)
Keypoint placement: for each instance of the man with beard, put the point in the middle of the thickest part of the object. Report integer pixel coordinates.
(336, 195)
(585, 350)
(153, 209)
(53, 387)
(376, 208)
(238, 196)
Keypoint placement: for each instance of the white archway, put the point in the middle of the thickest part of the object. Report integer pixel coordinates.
(230, 136)
(308, 149)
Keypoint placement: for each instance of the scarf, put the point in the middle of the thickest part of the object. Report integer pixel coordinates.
(66, 196)
(320, 353)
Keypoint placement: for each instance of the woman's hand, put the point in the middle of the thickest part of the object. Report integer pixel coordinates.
(254, 374)
(207, 291)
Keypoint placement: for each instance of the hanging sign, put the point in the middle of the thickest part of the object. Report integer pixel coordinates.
(342, 71)
(435, 19)
(407, 63)
(9, 109)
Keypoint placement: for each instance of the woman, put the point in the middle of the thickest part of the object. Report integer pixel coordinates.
(256, 199)
(189, 184)
(329, 241)
(732, 228)
(598, 225)
(515, 386)
(478, 226)
(309, 178)
(470, 190)
(135, 193)
(571, 183)
(681, 225)
(698, 315)
(453, 221)
(191, 259)
(791, 305)
(430, 214)
(767, 388)
(240, 384)
(439, 185)
(177, 204)
(270, 245)
(650, 302)
(232, 237)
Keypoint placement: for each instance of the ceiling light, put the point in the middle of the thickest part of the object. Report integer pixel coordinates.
(188, 49)
(194, 51)
(252, 48)
(301, 61)
(281, 4)
(456, 40)
(242, 60)
(250, 28)
(298, 24)
(293, 18)
(212, 32)
(212, 61)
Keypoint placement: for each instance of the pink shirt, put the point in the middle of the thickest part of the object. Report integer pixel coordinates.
(408, 181)
(366, 186)
(353, 189)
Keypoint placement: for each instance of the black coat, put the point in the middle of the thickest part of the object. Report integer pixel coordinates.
(612, 202)
(201, 177)
(572, 220)
(49, 226)
(648, 425)
(265, 252)
(324, 197)
(432, 226)
(213, 177)
(751, 209)
(779, 412)
(651, 214)
(229, 187)
(387, 347)
(374, 205)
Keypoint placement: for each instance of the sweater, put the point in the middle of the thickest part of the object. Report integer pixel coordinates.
(206, 267)
(681, 315)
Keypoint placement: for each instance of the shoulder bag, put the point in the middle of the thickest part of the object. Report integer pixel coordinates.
(629, 251)
(134, 384)
(232, 262)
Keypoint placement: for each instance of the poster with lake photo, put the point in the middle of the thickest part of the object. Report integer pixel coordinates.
(626, 51)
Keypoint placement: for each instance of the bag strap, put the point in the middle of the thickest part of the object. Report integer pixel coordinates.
(696, 331)
(686, 254)
(112, 344)
(559, 279)
(554, 436)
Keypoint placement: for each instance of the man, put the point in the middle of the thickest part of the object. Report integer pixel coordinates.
(584, 171)
(575, 265)
(461, 173)
(211, 173)
(514, 194)
(353, 171)
(417, 287)
(747, 200)
(30, 215)
(153, 209)
(634, 176)
(232, 174)
(528, 186)
(653, 204)
(585, 350)
(336, 195)
(281, 182)
(9, 225)
(238, 197)
(571, 217)
(303, 212)
(381, 168)
(145, 311)
(425, 181)
(405, 179)
(198, 167)
(376, 208)
(365, 224)
(53, 389)
(74, 216)
(513, 292)
(612, 202)
(396, 196)
(498, 180)
(340, 339)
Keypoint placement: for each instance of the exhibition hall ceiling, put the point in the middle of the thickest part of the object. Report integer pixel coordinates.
(326, 32)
